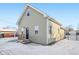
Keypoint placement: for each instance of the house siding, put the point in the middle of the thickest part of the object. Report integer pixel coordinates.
(49, 36)
(35, 19)
(56, 32)
(62, 33)
(55, 36)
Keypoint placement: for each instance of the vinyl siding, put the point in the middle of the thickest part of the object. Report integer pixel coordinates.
(35, 19)
(55, 31)
(62, 33)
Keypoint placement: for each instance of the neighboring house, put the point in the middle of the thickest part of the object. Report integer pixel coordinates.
(36, 26)
(7, 33)
(74, 35)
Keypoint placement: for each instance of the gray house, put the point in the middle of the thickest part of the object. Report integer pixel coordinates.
(36, 26)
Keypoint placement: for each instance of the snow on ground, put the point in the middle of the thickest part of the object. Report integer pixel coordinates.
(63, 47)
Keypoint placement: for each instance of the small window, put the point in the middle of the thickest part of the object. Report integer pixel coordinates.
(36, 29)
(28, 14)
(50, 29)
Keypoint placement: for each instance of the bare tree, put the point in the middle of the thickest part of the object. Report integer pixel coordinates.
(78, 27)
(69, 28)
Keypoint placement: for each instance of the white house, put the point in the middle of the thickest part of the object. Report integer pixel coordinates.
(36, 26)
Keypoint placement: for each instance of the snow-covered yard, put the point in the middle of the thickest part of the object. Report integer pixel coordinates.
(62, 47)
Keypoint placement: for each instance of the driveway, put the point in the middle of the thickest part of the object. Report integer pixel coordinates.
(63, 47)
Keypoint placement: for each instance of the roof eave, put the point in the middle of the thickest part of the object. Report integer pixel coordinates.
(53, 20)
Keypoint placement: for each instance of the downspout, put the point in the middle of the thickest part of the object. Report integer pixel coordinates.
(46, 30)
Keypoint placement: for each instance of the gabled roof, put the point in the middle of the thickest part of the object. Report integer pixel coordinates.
(44, 14)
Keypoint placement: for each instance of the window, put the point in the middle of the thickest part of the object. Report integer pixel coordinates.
(36, 29)
(50, 29)
(28, 13)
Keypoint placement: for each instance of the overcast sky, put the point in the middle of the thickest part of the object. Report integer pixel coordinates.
(66, 14)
